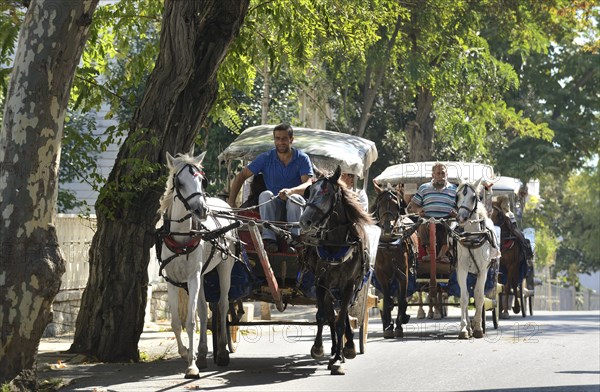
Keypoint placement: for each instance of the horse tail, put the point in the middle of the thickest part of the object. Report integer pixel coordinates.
(182, 306)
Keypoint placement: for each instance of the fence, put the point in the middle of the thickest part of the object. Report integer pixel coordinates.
(550, 296)
(75, 236)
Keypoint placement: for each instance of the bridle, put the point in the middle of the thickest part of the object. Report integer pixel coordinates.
(388, 195)
(325, 215)
(194, 171)
(464, 193)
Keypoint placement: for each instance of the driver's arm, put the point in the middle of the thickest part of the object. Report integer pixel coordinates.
(299, 190)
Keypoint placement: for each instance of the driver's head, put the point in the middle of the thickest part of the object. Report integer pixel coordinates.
(439, 174)
(283, 136)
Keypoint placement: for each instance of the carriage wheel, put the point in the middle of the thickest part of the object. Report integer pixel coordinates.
(363, 333)
(360, 310)
(521, 296)
(233, 331)
(214, 309)
(483, 318)
(496, 311)
(531, 305)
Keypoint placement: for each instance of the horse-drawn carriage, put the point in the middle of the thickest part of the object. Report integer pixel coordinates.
(516, 264)
(284, 277)
(439, 277)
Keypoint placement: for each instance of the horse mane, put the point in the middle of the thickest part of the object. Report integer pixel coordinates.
(166, 200)
(354, 209)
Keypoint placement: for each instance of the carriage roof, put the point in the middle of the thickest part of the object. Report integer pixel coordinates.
(420, 172)
(327, 149)
(506, 186)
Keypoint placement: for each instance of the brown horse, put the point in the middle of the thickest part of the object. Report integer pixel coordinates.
(397, 252)
(337, 252)
(515, 254)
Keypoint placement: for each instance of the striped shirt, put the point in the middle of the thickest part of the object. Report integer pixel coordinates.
(436, 203)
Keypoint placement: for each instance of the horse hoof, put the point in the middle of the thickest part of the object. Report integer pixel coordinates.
(516, 309)
(192, 373)
(429, 315)
(337, 370)
(201, 363)
(463, 335)
(317, 352)
(399, 333)
(223, 359)
(349, 352)
(437, 316)
(420, 314)
(478, 333)
(388, 334)
(405, 319)
(504, 316)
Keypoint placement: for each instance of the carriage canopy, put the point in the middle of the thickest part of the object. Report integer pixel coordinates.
(417, 173)
(506, 186)
(326, 149)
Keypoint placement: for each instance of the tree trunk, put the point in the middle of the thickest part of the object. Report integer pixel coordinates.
(266, 97)
(371, 89)
(420, 132)
(180, 92)
(51, 41)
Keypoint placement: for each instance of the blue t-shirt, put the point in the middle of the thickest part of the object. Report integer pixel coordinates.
(436, 203)
(278, 176)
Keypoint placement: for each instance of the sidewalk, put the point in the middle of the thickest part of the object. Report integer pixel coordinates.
(160, 363)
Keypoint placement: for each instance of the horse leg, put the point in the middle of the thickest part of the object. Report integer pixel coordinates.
(224, 269)
(349, 349)
(465, 325)
(173, 297)
(316, 351)
(402, 317)
(386, 313)
(478, 291)
(514, 279)
(335, 363)
(203, 343)
(190, 325)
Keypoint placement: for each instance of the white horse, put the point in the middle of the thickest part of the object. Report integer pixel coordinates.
(193, 242)
(475, 251)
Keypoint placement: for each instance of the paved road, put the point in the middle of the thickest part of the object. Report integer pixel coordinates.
(551, 351)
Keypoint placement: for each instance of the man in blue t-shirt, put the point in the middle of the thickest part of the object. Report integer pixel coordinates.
(435, 199)
(287, 173)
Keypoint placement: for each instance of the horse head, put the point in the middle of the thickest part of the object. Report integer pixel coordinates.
(467, 200)
(189, 182)
(389, 206)
(322, 199)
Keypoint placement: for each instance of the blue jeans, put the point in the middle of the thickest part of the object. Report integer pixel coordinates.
(279, 210)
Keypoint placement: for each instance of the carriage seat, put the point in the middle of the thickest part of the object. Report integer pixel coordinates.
(284, 247)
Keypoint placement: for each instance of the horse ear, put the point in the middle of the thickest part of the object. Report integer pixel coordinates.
(336, 174)
(170, 160)
(200, 158)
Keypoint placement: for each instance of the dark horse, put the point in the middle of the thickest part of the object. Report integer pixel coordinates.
(336, 251)
(397, 252)
(516, 253)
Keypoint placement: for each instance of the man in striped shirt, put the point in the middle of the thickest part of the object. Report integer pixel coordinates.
(435, 199)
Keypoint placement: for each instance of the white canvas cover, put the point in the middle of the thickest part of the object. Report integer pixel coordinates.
(506, 186)
(420, 172)
(327, 149)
